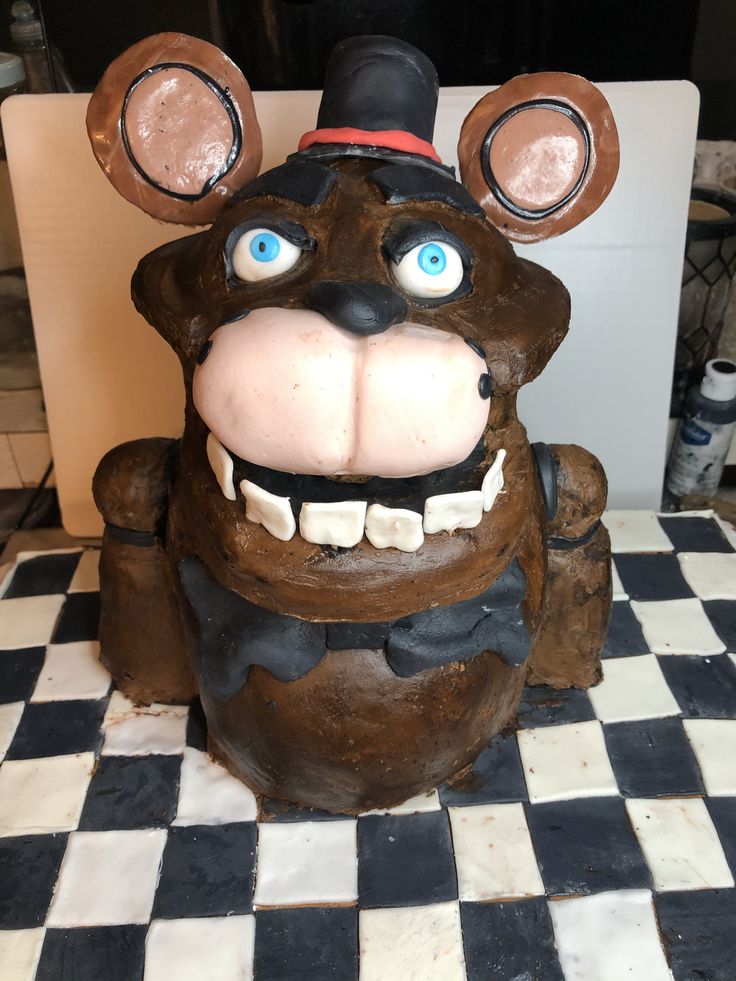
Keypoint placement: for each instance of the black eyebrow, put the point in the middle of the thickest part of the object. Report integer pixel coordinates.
(301, 181)
(405, 182)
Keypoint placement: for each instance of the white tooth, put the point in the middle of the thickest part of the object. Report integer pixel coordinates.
(338, 524)
(222, 466)
(269, 510)
(448, 512)
(493, 481)
(397, 527)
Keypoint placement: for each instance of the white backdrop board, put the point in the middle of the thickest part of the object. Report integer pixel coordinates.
(108, 377)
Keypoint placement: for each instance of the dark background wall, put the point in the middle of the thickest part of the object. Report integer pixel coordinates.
(284, 43)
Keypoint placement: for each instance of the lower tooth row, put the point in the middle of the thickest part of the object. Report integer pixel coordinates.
(344, 523)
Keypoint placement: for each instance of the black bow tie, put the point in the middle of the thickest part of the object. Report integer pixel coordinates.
(234, 633)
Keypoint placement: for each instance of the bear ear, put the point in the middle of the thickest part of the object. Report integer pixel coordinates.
(173, 126)
(540, 154)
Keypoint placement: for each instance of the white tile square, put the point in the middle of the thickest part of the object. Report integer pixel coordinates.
(72, 671)
(420, 804)
(609, 937)
(710, 575)
(680, 844)
(566, 761)
(632, 688)
(143, 730)
(43, 795)
(217, 947)
(619, 593)
(412, 943)
(86, 578)
(636, 531)
(28, 621)
(107, 877)
(308, 862)
(19, 953)
(714, 744)
(10, 714)
(494, 855)
(677, 627)
(208, 794)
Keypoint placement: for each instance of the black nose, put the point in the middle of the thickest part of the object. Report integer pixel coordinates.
(363, 308)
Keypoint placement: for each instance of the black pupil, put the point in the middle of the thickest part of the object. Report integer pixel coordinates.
(261, 246)
(434, 259)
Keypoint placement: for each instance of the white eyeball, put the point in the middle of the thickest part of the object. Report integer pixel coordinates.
(430, 270)
(261, 253)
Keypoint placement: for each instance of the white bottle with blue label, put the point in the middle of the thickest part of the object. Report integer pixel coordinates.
(704, 436)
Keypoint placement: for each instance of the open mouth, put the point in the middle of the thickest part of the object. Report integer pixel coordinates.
(391, 513)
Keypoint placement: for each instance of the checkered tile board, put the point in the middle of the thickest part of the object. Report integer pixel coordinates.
(597, 842)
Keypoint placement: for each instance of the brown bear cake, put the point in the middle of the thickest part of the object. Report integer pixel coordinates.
(353, 555)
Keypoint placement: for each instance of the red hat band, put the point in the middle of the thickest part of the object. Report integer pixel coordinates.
(390, 139)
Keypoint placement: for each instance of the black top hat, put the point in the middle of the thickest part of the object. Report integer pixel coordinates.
(379, 100)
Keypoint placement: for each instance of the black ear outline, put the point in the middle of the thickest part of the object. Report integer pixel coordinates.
(227, 104)
(553, 105)
(110, 129)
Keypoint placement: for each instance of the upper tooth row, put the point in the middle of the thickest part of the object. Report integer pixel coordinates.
(344, 523)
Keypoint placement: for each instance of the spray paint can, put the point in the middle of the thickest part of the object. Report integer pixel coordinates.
(704, 437)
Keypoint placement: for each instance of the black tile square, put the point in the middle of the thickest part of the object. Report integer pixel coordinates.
(705, 687)
(652, 758)
(112, 953)
(544, 706)
(43, 575)
(129, 792)
(29, 866)
(625, 637)
(509, 940)
(694, 534)
(19, 671)
(722, 615)
(652, 577)
(196, 727)
(723, 812)
(496, 777)
(405, 860)
(58, 729)
(699, 932)
(310, 944)
(79, 619)
(586, 846)
(207, 870)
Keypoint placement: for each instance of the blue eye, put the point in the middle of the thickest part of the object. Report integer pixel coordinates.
(265, 247)
(432, 259)
(431, 270)
(261, 253)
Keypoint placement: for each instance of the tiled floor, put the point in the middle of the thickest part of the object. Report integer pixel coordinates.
(598, 842)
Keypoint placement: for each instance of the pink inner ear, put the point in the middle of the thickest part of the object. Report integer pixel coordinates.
(178, 130)
(537, 157)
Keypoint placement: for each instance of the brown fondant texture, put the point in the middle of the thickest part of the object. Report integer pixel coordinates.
(132, 483)
(582, 490)
(349, 734)
(145, 638)
(577, 607)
